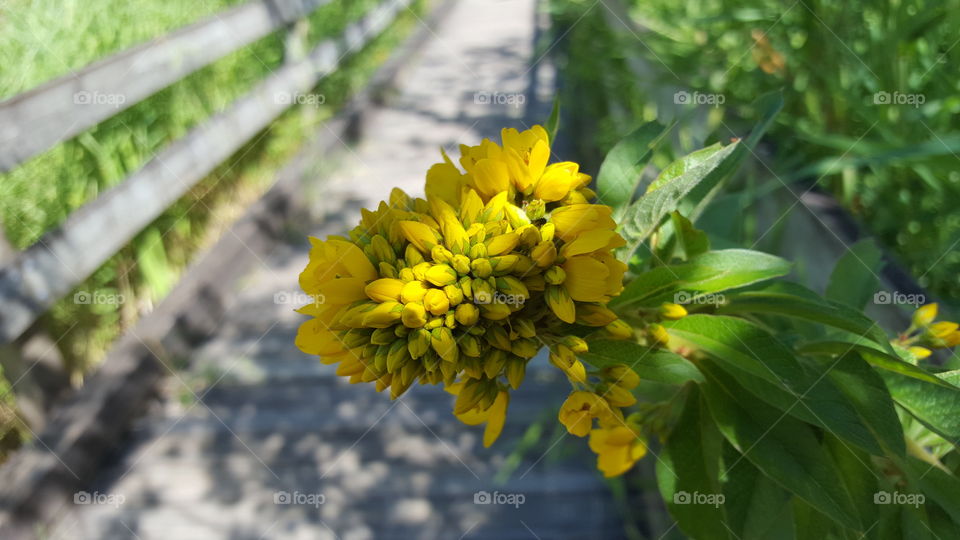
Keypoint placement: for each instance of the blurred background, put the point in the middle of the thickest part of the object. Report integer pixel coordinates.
(352, 97)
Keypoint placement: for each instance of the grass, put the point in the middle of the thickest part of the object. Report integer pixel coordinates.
(892, 165)
(76, 171)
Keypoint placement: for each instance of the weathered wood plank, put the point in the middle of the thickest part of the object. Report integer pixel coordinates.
(64, 257)
(38, 119)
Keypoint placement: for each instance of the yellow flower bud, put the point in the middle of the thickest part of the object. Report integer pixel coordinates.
(413, 291)
(576, 344)
(515, 370)
(594, 315)
(441, 339)
(414, 315)
(461, 264)
(481, 267)
(525, 348)
(544, 254)
(382, 316)
(440, 254)
(942, 329)
(504, 243)
(619, 396)
(418, 234)
(554, 275)
(925, 315)
(619, 330)
(454, 294)
(559, 301)
(657, 335)
(920, 352)
(441, 275)
(436, 302)
(672, 311)
(497, 336)
(495, 311)
(621, 375)
(470, 346)
(467, 314)
(418, 342)
(412, 255)
(384, 289)
(494, 363)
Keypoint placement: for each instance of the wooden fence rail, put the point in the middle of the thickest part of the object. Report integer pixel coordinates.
(36, 120)
(43, 273)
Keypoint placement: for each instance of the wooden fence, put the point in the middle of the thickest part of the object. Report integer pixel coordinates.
(30, 123)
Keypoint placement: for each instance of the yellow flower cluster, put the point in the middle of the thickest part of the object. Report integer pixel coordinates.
(616, 441)
(465, 286)
(925, 334)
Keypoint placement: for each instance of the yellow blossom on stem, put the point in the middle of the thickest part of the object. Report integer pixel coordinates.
(463, 287)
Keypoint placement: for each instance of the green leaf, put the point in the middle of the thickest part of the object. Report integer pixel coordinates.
(755, 504)
(781, 447)
(687, 474)
(553, 123)
(876, 358)
(936, 484)
(935, 405)
(711, 272)
(692, 241)
(769, 370)
(793, 300)
(708, 166)
(620, 171)
(854, 278)
(868, 394)
(651, 364)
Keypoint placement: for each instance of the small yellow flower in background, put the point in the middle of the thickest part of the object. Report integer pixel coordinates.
(925, 334)
(672, 312)
(618, 448)
(925, 315)
(463, 287)
(581, 408)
